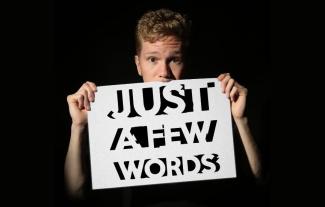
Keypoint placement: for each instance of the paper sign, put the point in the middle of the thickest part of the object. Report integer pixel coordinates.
(155, 132)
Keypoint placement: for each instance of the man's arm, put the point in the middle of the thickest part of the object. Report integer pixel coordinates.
(237, 95)
(251, 149)
(79, 104)
(73, 168)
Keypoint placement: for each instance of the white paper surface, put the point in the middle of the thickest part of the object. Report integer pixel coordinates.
(174, 141)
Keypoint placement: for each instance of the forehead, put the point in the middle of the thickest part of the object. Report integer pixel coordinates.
(168, 44)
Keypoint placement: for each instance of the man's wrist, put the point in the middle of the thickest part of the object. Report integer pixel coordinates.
(241, 120)
(78, 127)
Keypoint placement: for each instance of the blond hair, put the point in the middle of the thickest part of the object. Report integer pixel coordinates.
(155, 25)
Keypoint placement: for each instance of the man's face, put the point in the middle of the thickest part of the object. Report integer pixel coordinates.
(161, 60)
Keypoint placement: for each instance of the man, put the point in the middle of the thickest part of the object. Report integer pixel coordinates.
(161, 43)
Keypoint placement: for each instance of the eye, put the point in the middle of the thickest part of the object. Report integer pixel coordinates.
(176, 60)
(152, 59)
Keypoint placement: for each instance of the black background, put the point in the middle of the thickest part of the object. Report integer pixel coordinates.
(37, 74)
(94, 41)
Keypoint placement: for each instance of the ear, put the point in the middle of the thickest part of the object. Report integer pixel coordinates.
(137, 63)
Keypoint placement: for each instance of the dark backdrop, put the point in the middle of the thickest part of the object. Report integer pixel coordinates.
(94, 41)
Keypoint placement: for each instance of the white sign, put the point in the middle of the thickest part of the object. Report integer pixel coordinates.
(155, 132)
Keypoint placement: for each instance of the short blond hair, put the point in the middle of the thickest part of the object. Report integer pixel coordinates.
(155, 25)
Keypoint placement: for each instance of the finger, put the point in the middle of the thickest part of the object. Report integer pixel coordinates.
(229, 86)
(224, 83)
(86, 100)
(80, 99)
(90, 95)
(241, 89)
(222, 76)
(69, 98)
(92, 86)
(234, 93)
(75, 99)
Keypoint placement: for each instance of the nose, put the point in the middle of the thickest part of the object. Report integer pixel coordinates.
(164, 71)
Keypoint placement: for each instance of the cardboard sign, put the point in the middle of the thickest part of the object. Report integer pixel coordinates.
(154, 132)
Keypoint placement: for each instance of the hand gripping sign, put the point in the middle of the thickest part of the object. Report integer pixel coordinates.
(154, 132)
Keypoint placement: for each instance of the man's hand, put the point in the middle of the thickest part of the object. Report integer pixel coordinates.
(236, 93)
(79, 103)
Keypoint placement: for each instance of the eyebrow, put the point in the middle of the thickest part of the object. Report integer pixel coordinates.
(157, 53)
(151, 53)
